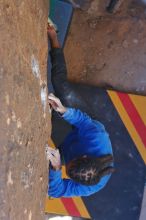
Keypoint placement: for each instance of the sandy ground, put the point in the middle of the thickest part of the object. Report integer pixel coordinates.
(109, 50)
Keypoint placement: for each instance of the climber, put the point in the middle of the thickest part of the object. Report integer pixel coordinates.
(86, 150)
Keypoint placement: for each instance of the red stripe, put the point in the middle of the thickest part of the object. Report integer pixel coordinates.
(71, 207)
(134, 116)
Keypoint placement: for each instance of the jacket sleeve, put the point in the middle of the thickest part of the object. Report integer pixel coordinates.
(76, 117)
(87, 127)
(59, 187)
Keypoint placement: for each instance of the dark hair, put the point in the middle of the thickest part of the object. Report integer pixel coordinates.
(89, 170)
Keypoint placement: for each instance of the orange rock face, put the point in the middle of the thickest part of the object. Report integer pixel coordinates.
(24, 113)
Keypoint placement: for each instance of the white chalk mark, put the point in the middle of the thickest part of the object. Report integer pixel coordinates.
(19, 124)
(9, 178)
(44, 97)
(35, 67)
(13, 116)
(43, 90)
(8, 121)
(30, 215)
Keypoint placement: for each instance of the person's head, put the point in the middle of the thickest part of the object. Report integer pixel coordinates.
(88, 170)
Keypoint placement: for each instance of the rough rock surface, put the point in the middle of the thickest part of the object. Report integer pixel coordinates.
(24, 114)
(109, 50)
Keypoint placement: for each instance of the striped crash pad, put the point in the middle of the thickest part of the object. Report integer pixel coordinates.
(121, 194)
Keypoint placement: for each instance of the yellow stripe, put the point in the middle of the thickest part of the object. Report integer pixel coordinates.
(55, 206)
(64, 175)
(81, 207)
(140, 105)
(51, 143)
(128, 123)
(77, 200)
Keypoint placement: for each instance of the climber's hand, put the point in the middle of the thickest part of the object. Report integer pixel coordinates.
(54, 156)
(51, 32)
(56, 104)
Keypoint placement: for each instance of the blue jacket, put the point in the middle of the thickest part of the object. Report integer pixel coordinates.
(88, 138)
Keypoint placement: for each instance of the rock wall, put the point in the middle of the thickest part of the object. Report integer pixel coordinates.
(24, 113)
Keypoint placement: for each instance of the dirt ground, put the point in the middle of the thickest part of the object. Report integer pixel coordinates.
(109, 50)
